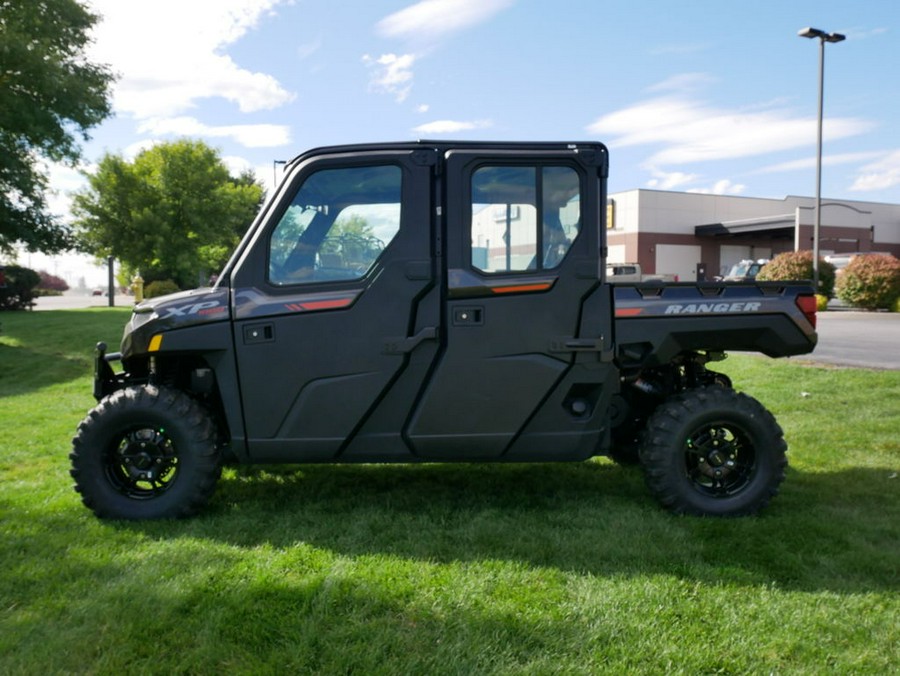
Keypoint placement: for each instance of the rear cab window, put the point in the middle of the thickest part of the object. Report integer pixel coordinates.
(524, 218)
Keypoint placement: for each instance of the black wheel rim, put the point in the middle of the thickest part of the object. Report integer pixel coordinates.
(720, 459)
(142, 463)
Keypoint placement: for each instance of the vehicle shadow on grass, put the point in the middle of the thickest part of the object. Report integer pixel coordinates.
(71, 606)
(23, 370)
(38, 349)
(827, 531)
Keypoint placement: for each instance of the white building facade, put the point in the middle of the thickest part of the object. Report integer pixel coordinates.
(673, 233)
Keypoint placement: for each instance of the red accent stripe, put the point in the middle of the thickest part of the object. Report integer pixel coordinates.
(522, 288)
(332, 304)
(628, 311)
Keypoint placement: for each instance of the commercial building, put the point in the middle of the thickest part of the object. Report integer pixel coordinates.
(672, 232)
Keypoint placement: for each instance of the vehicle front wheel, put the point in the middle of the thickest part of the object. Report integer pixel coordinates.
(145, 453)
(712, 451)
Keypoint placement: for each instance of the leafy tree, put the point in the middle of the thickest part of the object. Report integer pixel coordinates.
(173, 213)
(797, 265)
(50, 94)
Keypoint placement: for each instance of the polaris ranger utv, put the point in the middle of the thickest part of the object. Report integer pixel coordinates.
(437, 302)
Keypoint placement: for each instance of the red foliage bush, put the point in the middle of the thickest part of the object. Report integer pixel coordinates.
(51, 282)
(795, 265)
(871, 281)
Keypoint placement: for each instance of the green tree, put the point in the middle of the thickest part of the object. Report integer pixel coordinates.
(50, 94)
(173, 213)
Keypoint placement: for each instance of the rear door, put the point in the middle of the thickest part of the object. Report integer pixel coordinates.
(521, 373)
(335, 306)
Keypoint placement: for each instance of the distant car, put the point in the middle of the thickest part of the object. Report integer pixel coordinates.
(97, 292)
(745, 271)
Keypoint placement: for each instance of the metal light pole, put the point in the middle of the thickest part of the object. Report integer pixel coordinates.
(823, 38)
(275, 164)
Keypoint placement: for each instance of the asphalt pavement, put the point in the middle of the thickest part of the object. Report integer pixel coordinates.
(77, 301)
(846, 337)
(861, 339)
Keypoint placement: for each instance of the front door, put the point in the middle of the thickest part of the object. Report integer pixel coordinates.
(522, 371)
(336, 308)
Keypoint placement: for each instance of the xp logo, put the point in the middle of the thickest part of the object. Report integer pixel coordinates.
(209, 307)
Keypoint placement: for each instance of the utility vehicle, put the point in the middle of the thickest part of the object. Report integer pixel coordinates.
(437, 302)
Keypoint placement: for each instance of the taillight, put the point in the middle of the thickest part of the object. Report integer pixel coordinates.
(807, 305)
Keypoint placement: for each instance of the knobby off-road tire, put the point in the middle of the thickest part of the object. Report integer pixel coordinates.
(712, 451)
(145, 453)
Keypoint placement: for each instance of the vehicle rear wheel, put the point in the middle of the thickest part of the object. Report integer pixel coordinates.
(145, 453)
(713, 452)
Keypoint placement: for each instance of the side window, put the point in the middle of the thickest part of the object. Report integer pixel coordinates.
(523, 218)
(337, 225)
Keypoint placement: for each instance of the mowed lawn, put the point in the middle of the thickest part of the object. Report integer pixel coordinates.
(450, 569)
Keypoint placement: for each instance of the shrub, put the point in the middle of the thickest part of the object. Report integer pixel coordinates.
(871, 282)
(50, 285)
(18, 291)
(162, 287)
(821, 302)
(797, 265)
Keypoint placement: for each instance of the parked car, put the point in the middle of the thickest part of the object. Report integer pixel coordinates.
(745, 271)
(627, 273)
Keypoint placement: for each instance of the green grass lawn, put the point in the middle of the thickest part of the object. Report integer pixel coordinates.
(440, 569)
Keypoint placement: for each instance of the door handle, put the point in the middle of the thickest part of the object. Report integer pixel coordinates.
(408, 344)
(259, 333)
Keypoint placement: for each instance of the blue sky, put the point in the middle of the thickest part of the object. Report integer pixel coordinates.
(713, 96)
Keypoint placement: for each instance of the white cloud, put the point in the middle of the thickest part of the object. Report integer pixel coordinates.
(879, 175)
(863, 33)
(721, 187)
(663, 180)
(136, 148)
(431, 19)
(423, 108)
(669, 180)
(392, 74)
(306, 50)
(169, 55)
(810, 162)
(63, 181)
(687, 130)
(236, 164)
(683, 82)
(423, 24)
(248, 135)
(451, 126)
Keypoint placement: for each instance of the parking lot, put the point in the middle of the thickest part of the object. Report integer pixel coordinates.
(862, 339)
